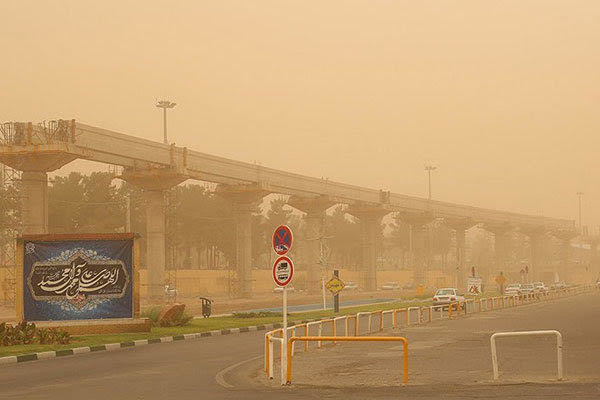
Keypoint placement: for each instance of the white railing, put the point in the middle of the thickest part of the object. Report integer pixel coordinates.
(528, 333)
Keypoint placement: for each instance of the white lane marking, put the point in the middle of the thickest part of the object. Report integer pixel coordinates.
(220, 376)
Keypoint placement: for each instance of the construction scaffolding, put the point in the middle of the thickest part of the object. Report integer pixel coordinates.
(10, 228)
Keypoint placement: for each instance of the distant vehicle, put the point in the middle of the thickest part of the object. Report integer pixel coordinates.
(391, 286)
(445, 296)
(409, 285)
(540, 287)
(351, 286)
(528, 288)
(558, 285)
(278, 289)
(513, 289)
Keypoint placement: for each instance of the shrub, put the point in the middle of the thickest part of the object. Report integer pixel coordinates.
(28, 333)
(153, 314)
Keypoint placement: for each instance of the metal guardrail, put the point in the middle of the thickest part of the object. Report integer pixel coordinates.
(400, 319)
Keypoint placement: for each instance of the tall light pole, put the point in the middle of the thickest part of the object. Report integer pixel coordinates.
(429, 168)
(580, 194)
(164, 104)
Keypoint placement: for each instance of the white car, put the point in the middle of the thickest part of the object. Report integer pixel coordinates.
(528, 288)
(351, 286)
(391, 286)
(445, 296)
(514, 289)
(540, 287)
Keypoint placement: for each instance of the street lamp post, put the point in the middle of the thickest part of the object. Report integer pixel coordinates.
(429, 168)
(164, 104)
(580, 194)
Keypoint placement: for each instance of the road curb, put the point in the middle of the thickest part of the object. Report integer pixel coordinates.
(46, 355)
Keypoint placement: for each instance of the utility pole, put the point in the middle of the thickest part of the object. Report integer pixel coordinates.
(429, 168)
(580, 194)
(164, 104)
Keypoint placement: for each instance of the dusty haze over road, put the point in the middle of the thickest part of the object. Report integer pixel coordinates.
(502, 96)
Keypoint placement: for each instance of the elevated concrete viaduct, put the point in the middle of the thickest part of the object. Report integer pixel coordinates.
(37, 149)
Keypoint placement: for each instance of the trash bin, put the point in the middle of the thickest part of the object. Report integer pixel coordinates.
(206, 307)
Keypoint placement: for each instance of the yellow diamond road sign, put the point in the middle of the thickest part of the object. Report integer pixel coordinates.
(335, 285)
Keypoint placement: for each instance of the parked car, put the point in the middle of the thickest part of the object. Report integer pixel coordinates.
(351, 286)
(513, 289)
(540, 287)
(528, 288)
(391, 286)
(445, 296)
(558, 285)
(278, 289)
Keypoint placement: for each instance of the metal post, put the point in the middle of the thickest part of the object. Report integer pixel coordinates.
(336, 297)
(127, 213)
(284, 346)
(165, 141)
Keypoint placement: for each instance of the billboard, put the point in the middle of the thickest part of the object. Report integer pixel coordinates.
(76, 277)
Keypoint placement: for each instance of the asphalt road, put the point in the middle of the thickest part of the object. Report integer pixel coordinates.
(223, 367)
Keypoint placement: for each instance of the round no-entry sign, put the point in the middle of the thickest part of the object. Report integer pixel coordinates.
(283, 270)
(282, 239)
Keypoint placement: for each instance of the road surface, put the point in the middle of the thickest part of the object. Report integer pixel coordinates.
(228, 367)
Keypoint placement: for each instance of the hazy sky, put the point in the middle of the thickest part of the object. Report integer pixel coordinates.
(502, 95)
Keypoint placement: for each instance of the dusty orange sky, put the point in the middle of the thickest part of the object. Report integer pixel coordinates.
(502, 96)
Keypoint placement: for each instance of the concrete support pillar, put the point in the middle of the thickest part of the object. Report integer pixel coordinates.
(314, 225)
(154, 183)
(155, 242)
(34, 202)
(243, 199)
(460, 257)
(501, 246)
(314, 208)
(563, 268)
(243, 249)
(418, 244)
(418, 250)
(460, 226)
(535, 269)
(370, 227)
(370, 234)
(536, 235)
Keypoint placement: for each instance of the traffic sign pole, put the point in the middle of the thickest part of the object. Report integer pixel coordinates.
(283, 271)
(284, 342)
(336, 297)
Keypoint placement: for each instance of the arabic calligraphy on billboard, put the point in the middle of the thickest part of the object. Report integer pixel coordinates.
(77, 279)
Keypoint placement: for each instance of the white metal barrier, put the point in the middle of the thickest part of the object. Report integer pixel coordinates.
(559, 343)
(471, 306)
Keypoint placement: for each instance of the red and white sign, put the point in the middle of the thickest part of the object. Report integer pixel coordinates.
(283, 271)
(282, 239)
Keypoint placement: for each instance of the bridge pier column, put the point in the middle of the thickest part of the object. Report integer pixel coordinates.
(155, 242)
(244, 201)
(417, 246)
(34, 202)
(501, 246)
(563, 269)
(536, 242)
(370, 233)
(460, 227)
(154, 183)
(315, 216)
